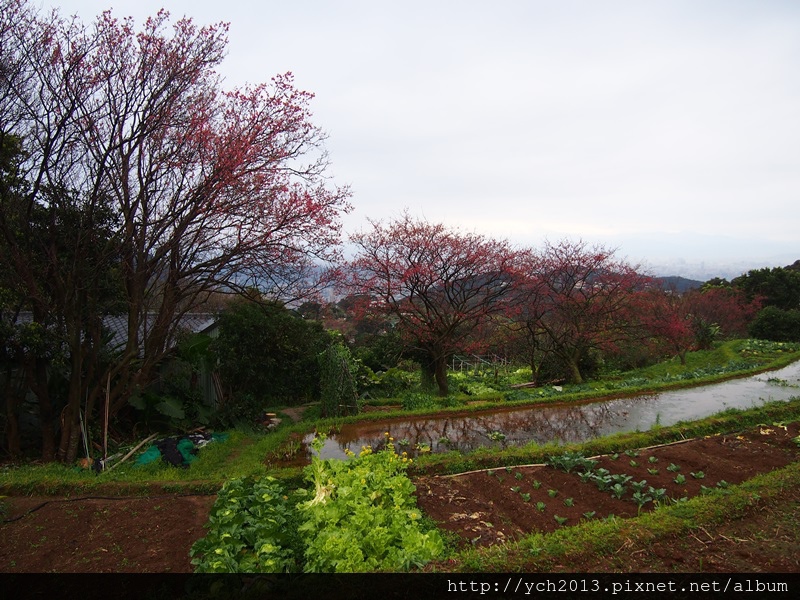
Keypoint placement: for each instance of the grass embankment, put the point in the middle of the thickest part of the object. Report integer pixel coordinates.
(240, 455)
(482, 390)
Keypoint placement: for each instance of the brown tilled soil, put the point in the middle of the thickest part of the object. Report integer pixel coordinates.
(489, 507)
(102, 535)
(154, 534)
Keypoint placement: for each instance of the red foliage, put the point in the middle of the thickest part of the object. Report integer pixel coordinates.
(579, 298)
(727, 307)
(441, 285)
(677, 322)
(667, 320)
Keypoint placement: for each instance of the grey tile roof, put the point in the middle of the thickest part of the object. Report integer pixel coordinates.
(190, 323)
(117, 325)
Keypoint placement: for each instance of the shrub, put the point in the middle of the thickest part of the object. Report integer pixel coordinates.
(337, 382)
(385, 384)
(175, 400)
(423, 401)
(267, 355)
(776, 325)
(704, 333)
(418, 401)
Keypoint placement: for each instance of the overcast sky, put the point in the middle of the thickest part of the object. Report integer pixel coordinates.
(670, 130)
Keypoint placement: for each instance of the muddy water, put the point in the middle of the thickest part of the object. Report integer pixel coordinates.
(565, 423)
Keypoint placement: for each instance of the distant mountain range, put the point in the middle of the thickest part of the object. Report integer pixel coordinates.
(682, 284)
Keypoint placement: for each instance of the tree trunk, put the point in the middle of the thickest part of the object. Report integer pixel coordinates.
(13, 441)
(427, 376)
(70, 421)
(73, 443)
(47, 428)
(48, 439)
(574, 371)
(536, 366)
(440, 371)
(36, 375)
(69, 441)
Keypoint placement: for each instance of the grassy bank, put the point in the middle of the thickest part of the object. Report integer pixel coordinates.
(727, 360)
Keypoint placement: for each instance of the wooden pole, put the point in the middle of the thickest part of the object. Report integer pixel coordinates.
(105, 425)
(129, 454)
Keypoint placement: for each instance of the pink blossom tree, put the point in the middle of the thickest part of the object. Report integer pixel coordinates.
(210, 189)
(581, 298)
(438, 284)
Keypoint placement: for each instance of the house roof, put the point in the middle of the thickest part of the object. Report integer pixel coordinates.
(188, 323)
(117, 325)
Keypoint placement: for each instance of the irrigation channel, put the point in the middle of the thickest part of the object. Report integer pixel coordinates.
(500, 427)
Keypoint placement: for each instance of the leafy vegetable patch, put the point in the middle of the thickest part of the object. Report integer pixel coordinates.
(360, 516)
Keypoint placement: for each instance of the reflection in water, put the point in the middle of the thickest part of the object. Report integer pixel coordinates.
(563, 423)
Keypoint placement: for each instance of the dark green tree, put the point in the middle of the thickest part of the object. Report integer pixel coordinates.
(715, 282)
(776, 325)
(267, 355)
(778, 287)
(11, 388)
(59, 277)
